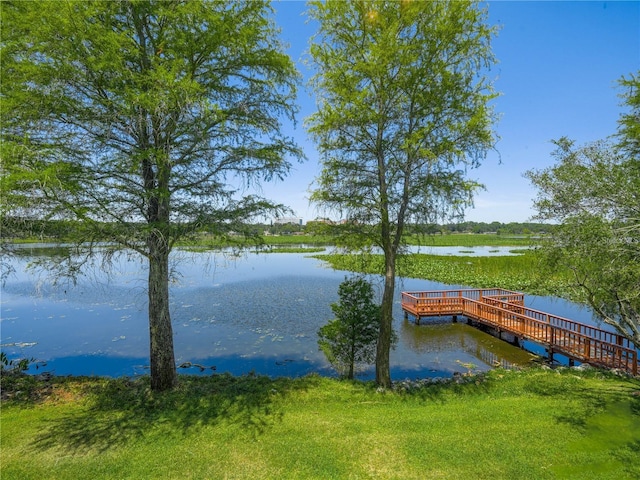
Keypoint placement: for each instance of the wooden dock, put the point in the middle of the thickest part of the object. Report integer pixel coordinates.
(505, 311)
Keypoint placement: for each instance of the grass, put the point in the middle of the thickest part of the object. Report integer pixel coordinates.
(450, 240)
(532, 424)
(212, 242)
(285, 249)
(207, 241)
(264, 249)
(517, 272)
(472, 240)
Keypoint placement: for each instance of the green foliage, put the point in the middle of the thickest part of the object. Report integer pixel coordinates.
(16, 384)
(350, 339)
(629, 123)
(470, 240)
(132, 117)
(313, 233)
(507, 229)
(403, 112)
(8, 366)
(402, 107)
(116, 110)
(592, 192)
(282, 249)
(517, 272)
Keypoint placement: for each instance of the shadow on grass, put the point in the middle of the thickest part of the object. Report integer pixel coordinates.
(119, 411)
(439, 392)
(593, 399)
(607, 424)
(122, 410)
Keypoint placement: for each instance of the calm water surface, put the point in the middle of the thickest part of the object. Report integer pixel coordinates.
(256, 312)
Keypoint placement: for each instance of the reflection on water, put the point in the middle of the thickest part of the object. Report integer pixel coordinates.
(255, 312)
(441, 344)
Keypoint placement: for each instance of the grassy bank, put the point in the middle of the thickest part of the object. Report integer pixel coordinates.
(207, 241)
(533, 424)
(472, 240)
(215, 242)
(449, 240)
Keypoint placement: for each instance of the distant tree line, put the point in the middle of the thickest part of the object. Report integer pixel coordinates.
(23, 228)
(512, 228)
(26, 228)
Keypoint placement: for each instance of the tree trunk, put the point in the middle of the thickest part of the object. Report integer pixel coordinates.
(383, 373)
(163, 365)
(352, 358)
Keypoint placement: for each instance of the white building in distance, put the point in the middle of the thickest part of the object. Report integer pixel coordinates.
(287, 220)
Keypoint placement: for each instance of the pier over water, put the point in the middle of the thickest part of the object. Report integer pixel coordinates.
(504, 311)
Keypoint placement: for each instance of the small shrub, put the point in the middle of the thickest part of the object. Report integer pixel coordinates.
(350, 338)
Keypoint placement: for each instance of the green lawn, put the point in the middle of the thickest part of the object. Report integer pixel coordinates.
(533, 424)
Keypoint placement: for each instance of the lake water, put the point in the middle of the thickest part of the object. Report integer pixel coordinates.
(255, 312)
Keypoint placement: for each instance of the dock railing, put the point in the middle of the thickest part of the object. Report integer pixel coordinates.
(505, 310)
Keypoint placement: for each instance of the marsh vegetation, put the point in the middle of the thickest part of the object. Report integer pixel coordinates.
(522, 272)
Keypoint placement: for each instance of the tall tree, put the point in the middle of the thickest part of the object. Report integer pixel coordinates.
(134, 117)
(593, 193)
(403, 111)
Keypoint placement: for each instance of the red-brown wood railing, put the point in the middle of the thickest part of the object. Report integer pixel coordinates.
(505, 311)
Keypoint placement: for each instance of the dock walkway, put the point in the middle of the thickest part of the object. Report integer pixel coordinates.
(505, 311)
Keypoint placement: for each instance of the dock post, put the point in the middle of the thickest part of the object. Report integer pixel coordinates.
(455, 319)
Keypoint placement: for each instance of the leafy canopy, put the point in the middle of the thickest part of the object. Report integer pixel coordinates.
(403, 107)
(403, 112)
(135, 119)
(134, 116)
(593, 191)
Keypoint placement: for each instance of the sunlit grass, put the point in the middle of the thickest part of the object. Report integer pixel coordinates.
(533, 424)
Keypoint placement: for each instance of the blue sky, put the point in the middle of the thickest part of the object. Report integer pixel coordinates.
(557, 72)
